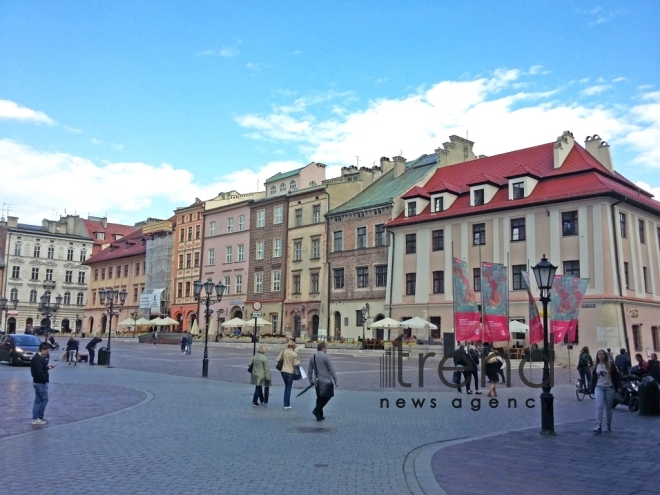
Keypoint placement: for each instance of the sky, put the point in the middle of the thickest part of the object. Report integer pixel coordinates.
(131, 109)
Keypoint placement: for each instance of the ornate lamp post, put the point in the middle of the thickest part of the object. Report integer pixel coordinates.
(544, 272)
(75, 325)
(365, 317)
(109, 298)
(135, 315)
(47, 309)
(6, 309)
(208, 288)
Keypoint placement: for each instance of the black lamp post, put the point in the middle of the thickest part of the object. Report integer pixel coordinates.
(6, 309)
(208, 288)
(75, 325)
(365, 316)
(47, 309)
(109, 298)
(544, 272)
(135, 315)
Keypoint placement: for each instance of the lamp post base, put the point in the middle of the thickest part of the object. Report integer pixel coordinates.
(547, 414)
(205, 367)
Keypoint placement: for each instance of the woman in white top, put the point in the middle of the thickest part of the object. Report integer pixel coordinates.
(605, 380)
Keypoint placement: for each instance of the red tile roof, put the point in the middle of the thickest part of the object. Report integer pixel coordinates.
(580, 176)
(112, 229)
(416, 192)
(131, 245)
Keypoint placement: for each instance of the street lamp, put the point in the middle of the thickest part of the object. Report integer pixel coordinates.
(75, 325)
(365, 316)
(6, 309)
(208, 288)
(47, 309)
(108, 299)
(135, 315)
(544, 272)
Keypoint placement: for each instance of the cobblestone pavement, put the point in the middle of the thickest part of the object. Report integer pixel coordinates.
(192, 435)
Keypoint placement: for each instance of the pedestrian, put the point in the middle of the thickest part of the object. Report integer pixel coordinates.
(91, 345)
(320, 365)
(289, 359)
(585, 364)
(72, 350)
(461, 361)
(189, 344)
(605, 381)
(155, 337)
(39, 367)
(474, 357)
(622, 361)
(260, 377)
(653, 369)
(640, 368)
(493, 366)
(184, 343)
(610, 356)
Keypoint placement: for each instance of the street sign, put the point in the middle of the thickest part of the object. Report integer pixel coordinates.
(256, 305)
(256, 314)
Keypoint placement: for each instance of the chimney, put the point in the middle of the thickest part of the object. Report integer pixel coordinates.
(12, 222)
(563, 146)
(104, 222)
(456, 150)
(399, 166)
(600, 150)
(385, 164)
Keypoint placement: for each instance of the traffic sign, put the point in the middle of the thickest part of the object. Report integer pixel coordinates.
(256, 305)
(256, 314)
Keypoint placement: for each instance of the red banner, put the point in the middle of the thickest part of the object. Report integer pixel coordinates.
(495, 289)
(535, 325)
(579, 290)
(466, 312)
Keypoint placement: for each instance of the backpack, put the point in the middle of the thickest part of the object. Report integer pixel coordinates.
(584, 361)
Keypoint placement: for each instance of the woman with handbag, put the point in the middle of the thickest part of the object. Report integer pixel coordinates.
(260, 377)
(286, 361)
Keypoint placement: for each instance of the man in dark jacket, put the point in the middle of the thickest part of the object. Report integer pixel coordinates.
(461, 359)
(39, 368)
(91, 346)
(622, 361)
(321, 365)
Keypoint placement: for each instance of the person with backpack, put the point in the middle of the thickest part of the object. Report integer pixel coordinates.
(91, 345)
(585, 363)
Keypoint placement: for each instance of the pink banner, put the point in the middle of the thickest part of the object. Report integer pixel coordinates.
(495, 289)
(466, 313)
(579, 290)
(535, 325)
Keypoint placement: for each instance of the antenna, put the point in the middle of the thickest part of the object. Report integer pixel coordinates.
(358, 160)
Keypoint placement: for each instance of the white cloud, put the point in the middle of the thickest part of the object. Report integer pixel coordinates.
(118, 147)
(653, 190)
(10, 110)
(224, 52)
(95, 141)
(584, 80)
(619, 79)
(595, 90)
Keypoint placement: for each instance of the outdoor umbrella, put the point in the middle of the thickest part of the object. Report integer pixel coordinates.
(127, 322)
(260, 322)
(419, 323)
(170, 321)
(234, 322)
(159, 322)
(195, 328)
(211, 328)
(388, 323)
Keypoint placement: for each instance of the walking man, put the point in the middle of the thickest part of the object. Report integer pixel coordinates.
(321, 366)
(155, 336)
(189, 343)
(39, 368)
(91, 345)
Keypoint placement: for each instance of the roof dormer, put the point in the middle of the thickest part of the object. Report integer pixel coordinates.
(443, 196)
(483, 188)
(522, 182)
(416, 200)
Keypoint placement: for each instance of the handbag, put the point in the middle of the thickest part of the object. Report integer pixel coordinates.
(280, 362)
(456, 378)
(250, 368)
(297, 375)
(324, 390)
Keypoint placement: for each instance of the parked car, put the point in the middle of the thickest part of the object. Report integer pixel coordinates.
(18, 348)
(41, 330)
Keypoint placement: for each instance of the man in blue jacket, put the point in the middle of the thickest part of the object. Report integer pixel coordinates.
(39, 368)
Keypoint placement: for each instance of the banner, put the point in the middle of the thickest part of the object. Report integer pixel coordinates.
(535, 325)
(579, 290)
(495, 291)
(466, 313)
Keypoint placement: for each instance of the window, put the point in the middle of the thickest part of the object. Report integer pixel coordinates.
(118, 272)
(33, 296)
(278, 215)
(261, 218)
(646, 279)
(15, 272)
(338, 277)
(273, 190)
(228, 254)
(227, 284)
(277, 280)
(316, 248)
(96, 274)
(17, 249)
(517, 275)
(359, 320)
(439, 282)
(626, 275)
(282, 187)
(655, 335)
(381, 239)
(412, 208)
(569, 222)
(100, 236)
(239, 284)
(67, 298)
(299, 217)
(438, 240)
(93, 298)
(198, 231)
(572, 268)
(68, 276)
(102, 273)
(182, 235)
(110, 272)
(517, 229)
(179, 289)
(277, 251)
(622, 225)
(187, 293)
(81, 277)
(476, 279)
(316, 217)
(314, 284)
(297, 251)
(51, 253)
(190, 233)
(35, 274)
(241, 252)
(361, 237)
(641, 231)
(180, 261)
(135, 294)
(292, 185)
(637, 337)
(69, 256)
(212, 228)
(362, 277)
(411, 279)
(296, 284)
(411, 243)
(188, 260)
(37, 250)
(83, 254)
(211, 256)
(479, 234)
(80, 299)
(49, 274)
(518, 190)
(338, 238)
(241, 223)
(439, 204)
(381, 275)
(137, 268)
(657, 230)
(197, 259)
(126, 269)
(274, 319)
(230, 225)
(478, 197)
(260, 250)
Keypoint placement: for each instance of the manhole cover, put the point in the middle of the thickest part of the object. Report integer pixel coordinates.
(311, 429)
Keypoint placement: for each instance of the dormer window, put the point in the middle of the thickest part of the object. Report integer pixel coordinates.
(478, 197)
(412, 208)
(282, 187)
(439, 204)
(273, 190)
(518, 189)
(292, 185)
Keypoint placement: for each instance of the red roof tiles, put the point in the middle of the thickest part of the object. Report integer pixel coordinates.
(416, 192)
(109, 229)
(131, 245)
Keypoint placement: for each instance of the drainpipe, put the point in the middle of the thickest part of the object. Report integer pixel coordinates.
(618, 274)
(4, 290)
(327, 262)
(391, 270)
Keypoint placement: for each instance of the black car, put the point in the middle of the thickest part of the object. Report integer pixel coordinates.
(18, 348)
(42, 330)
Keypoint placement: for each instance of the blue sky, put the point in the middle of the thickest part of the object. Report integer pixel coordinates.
(134, 108)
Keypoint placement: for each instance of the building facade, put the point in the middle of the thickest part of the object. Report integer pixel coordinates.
(159, 255)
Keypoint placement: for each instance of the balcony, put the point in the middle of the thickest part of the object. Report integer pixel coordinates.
(49, 284)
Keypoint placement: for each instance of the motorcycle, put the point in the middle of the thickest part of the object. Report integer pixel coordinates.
(629, 396)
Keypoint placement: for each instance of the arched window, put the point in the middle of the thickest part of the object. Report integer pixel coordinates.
(14, 294)
(33, 296)
(17, 249)
(79, 299)
(67, 298)
(292, 185)
(273, 190)
(313, 183)
(282, 187)
(47, 294)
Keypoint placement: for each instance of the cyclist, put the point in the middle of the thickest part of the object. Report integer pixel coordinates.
(585, 363)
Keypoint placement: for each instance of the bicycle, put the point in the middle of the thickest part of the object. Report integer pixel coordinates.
(581, 390)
